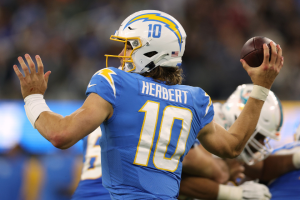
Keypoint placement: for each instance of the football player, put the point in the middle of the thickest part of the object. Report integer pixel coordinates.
(207, 166)
(256, 149)
(90, 186)
(150, 121)
(255, 154)
(268, 126)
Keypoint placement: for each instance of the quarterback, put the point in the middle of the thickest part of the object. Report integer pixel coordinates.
(149, 120)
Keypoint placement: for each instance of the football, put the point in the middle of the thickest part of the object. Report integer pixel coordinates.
(253, 52)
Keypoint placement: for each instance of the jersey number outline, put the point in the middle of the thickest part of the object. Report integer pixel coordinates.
(147, 135)
(92, 170)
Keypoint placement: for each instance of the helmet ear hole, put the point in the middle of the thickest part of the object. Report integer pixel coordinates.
(150, 54)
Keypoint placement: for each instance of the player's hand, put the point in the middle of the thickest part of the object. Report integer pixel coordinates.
(265, 74)
(255, 191)
(236, 170)
(33, 82)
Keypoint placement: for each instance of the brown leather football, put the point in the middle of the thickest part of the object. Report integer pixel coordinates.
(253, 52)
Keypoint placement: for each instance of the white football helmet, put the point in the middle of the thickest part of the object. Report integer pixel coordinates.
(269, 123)
(219, 116)
(157, 39)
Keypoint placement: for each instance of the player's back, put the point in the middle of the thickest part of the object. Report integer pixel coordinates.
(286, 186)
(152, 127)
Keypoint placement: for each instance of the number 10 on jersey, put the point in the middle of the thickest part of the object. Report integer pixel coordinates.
(147, 135)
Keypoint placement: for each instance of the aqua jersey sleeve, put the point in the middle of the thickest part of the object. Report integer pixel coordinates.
(204, 107)
(107, 84)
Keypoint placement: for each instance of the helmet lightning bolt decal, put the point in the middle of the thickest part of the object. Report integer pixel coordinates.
(106, 73)
(170, 24)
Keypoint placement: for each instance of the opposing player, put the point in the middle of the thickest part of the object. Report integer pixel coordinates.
(199, 162)
(202, 180)
(150, 121)
(268, 126)
(259, 164)
(90, 186)
(287, 185)
(256, 149)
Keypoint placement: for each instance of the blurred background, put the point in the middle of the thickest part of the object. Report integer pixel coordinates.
(72, 36)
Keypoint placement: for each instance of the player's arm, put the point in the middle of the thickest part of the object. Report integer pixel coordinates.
(199, 162)
(198, 187)
(61, 131)
(203, 188)
(231, 143)
(272, 167)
